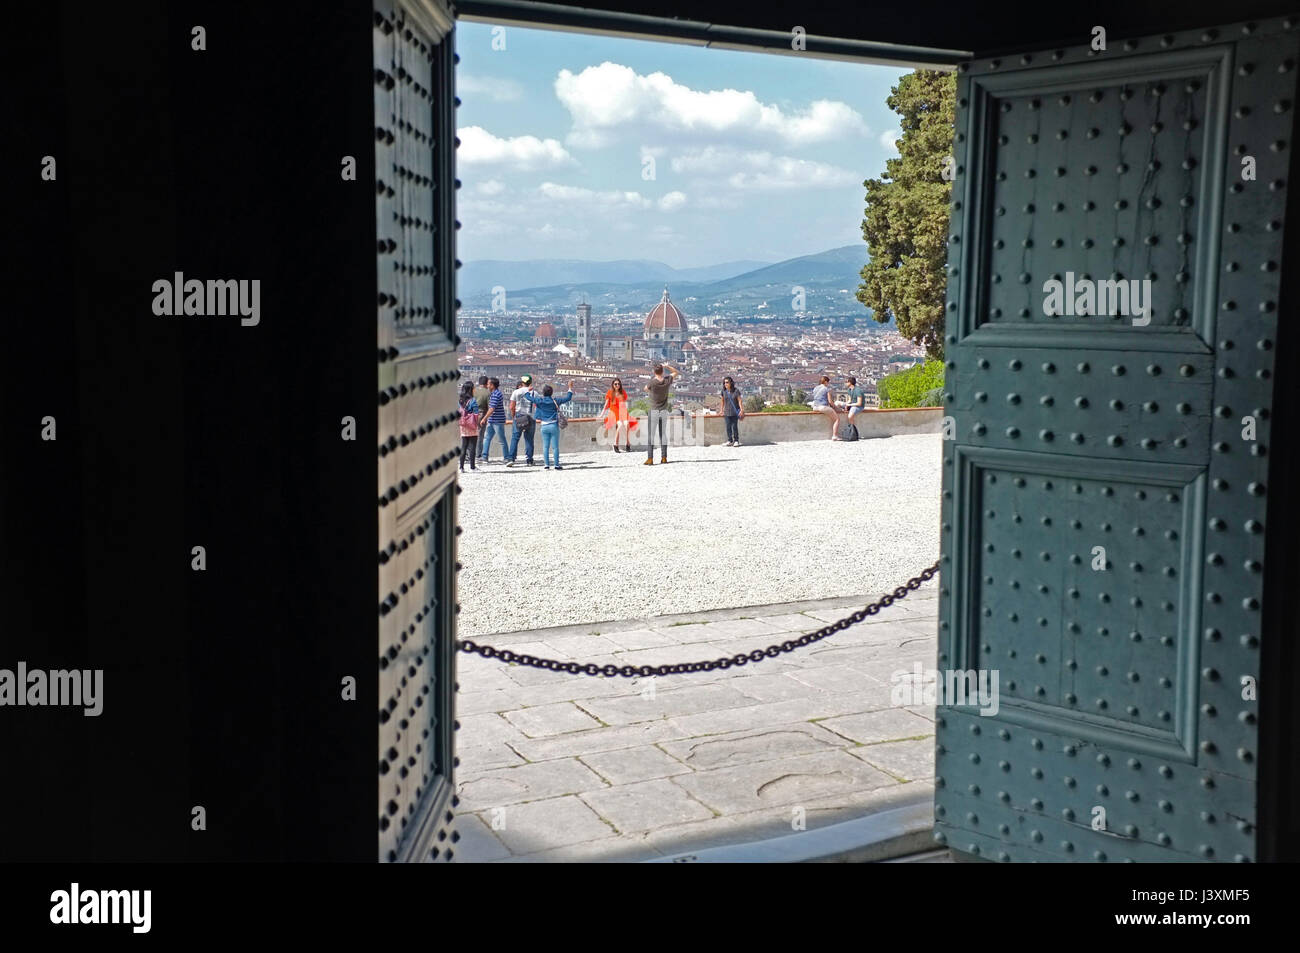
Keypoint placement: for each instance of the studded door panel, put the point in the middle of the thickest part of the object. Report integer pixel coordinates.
(1104, 496)
(418, 432)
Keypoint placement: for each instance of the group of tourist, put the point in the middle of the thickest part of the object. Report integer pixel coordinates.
(483, 415)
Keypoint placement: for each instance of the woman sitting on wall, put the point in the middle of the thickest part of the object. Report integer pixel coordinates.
(821, 402)
(616, 414)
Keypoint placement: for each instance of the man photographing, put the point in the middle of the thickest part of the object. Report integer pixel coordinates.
(658, 389)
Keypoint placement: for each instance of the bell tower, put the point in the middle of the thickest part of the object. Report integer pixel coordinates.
(584, 330)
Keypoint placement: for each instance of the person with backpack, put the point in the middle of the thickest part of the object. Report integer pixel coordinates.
(521, 414)
(547, 411)
(856, 405)
(732, 411)
(469, 418)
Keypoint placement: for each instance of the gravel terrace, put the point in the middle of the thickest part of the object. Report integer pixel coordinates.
(718, 527)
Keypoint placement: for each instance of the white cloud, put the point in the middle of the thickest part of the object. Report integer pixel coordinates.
(552, 232)
(761, 171)
(478, 146)
(574, 195)
(488, 87)
(577, 195)
(603, 99)
(490, 187)
(888, 137)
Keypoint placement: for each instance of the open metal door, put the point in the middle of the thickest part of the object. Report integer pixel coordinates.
(418, 432)
(1104, 497)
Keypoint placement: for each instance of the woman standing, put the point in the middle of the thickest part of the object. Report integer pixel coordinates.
(547, 410)
(616, 414)
(732, 411)
(469, 416)
(821, 403)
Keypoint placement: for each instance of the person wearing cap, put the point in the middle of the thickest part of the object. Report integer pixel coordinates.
(524, 417)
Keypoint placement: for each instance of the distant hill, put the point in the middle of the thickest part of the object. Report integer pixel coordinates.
(480, 277)
(829, 280)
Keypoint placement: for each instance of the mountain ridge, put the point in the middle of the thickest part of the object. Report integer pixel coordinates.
(829, 280)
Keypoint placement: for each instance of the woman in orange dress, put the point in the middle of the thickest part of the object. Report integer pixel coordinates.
(616, 414)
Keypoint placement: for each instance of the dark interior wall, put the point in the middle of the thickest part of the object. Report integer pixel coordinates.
(222, 687)
(984, 28)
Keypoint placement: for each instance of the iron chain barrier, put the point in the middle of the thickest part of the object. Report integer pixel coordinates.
(679, 668)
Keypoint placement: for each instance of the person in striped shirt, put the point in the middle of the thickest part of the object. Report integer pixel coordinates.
(495, 421)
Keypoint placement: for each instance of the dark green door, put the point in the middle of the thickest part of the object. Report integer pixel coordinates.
(1104, 496)
(418, 432)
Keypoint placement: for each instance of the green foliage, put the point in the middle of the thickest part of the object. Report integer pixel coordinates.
(753, 404)
(784, 408)
(920, 386)
(907, 211)
(641, 406)
(799, 397)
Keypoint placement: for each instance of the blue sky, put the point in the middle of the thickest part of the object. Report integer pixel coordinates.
(754, 155)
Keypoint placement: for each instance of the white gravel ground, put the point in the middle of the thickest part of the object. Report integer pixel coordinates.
(718, 527)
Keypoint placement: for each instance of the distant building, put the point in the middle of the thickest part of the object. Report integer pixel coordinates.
(664, 331)
(586, 340)
(627, 349)
(546, 334)
(506, 369)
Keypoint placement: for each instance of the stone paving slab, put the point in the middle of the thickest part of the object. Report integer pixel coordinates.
(641, 639)
(909, 760)
(623, 766)
(835, 678)
(527, 782)
(562, 768)
(811, 708)
(628, 709)
(546, 720)
(753, 745)
(554, 822)
(646, 805)
(792, 781)
(487, 757)
(598, 739)
(477, 842)
(888, 724)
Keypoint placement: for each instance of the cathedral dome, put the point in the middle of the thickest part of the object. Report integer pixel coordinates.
(665, 317)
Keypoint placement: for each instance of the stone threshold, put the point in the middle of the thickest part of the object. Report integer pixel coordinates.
(926, 594)
(902, 830)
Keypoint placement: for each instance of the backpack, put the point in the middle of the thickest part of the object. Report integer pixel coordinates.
(847, 431)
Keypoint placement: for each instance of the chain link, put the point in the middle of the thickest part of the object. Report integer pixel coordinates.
(681, 668)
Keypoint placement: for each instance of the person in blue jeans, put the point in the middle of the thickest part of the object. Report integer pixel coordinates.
(521, 412)
(495, 421)
(547, 409)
